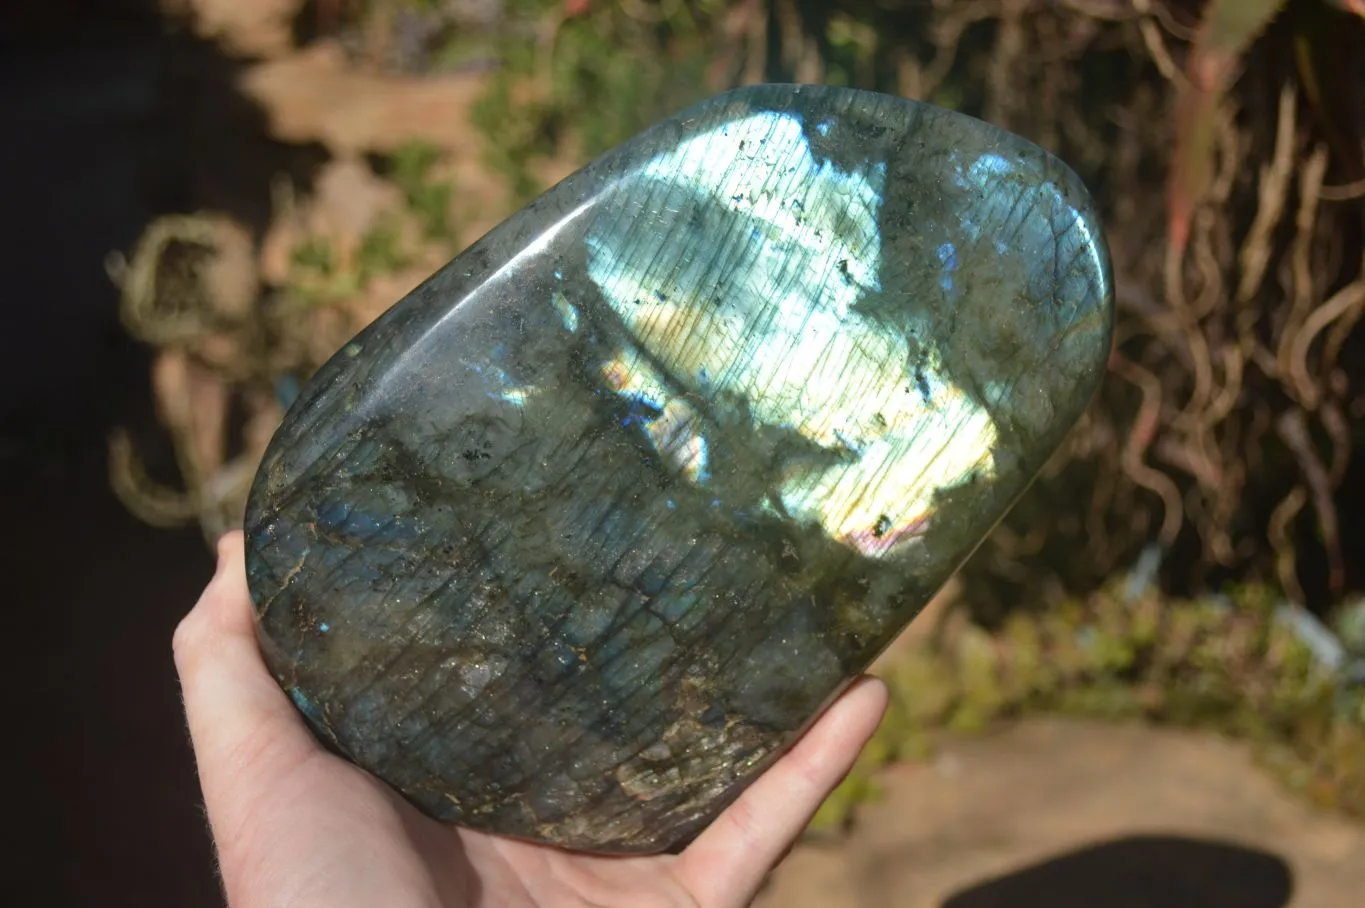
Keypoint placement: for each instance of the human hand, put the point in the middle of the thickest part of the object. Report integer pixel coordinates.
(295, 825)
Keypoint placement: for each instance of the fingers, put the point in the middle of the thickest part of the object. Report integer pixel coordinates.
(245, 731)
(726, 865)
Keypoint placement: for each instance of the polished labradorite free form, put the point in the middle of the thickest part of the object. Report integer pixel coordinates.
(577, 537)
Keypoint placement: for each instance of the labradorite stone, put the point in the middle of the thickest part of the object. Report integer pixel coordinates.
(576, 538)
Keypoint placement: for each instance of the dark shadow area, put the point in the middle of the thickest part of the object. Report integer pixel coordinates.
(112, 117)
(1142, 872)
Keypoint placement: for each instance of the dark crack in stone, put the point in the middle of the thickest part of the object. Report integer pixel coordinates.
(572, 542)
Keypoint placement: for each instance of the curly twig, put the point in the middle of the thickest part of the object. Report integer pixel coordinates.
(1277, 533)
(140, 278)
(1344, 301)
(1144, 430)
(1272, 195)
(1301, 271)
(146, 499)
(1293, 429)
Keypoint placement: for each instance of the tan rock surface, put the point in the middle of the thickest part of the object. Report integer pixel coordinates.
(249, 28)
(315, 95)
(1045, 788)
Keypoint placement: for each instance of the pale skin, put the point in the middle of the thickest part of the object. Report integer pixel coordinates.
(296, 827)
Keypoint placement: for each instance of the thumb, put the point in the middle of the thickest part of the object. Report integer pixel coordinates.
(245, 733)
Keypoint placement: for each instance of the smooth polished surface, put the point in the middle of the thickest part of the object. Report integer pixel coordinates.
(577, 537)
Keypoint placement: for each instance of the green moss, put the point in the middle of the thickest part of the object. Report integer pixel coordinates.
(980, 695)
(316, 278)
(428, 199)
(589, 82)
(1225, 664)
(381, 251)
(314, 254)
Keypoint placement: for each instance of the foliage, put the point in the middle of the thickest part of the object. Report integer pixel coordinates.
(321, 276)
(1233, 664)
(427, 197)
(1228, 29)
(584, 83)
(1226, 33)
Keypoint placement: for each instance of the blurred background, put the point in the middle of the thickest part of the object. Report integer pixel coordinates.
(1147, 688)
